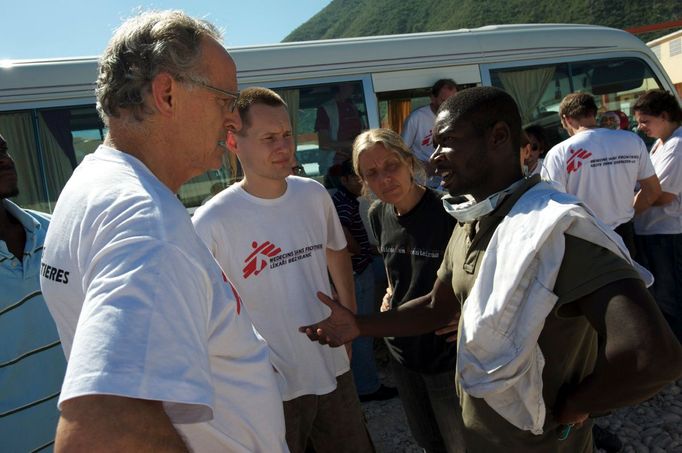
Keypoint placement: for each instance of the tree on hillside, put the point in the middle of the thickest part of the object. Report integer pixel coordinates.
(351, 18)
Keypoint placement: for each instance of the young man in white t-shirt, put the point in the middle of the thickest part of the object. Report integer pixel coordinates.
(602, 167)
(416, 131)
(277, 236)
(161, 354)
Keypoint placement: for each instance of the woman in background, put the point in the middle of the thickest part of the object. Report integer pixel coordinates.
(413, 230)
(659, 228)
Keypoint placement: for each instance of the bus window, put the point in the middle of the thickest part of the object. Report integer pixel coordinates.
(396, 106)
(325, 119)
(47, 145)
(538, 90)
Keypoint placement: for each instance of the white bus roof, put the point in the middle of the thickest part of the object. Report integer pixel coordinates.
(24, 82)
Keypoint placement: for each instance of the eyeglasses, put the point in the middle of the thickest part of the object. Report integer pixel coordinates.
(229, 98)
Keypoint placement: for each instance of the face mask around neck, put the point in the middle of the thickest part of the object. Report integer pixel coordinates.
(470, 211)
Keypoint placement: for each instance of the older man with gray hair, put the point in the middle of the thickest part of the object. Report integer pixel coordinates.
(161, 354)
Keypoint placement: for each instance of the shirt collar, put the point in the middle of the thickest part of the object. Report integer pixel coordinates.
(30, 224)
(510, 200)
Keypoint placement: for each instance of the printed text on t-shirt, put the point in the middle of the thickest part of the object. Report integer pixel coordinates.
(267, 253)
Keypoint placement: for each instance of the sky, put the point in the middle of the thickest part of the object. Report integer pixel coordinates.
(76, 28)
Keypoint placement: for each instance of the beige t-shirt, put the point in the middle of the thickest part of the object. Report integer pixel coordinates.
(568, 341)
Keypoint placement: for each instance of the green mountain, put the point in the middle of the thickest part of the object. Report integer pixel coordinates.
(351, 18)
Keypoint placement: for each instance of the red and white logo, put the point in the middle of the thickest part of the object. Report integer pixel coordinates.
(576, 160)
(426, 141)
(259, 258)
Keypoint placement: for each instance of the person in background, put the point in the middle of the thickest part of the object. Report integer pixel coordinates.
(538, 148)
(338, 122)
(362, 253)
(602, 167)
(413, 231)
(614, 119)
(659, 228)
(281, 249)
(417, 128)
(555, 323)
(32, 359)
(528, 157)
(161, 355)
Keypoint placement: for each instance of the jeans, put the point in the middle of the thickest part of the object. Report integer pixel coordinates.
(662, 255)
(362, 361)
(432, 408)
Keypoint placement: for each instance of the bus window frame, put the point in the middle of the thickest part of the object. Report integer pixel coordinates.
(486, 68)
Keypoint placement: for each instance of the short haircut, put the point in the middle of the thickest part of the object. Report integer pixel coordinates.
(141, 48)
(655, 102)
(483, 107)
(256, 95)
(392, 141)
(435, 89)
(578, 106)
(524, 139)
(538, 132)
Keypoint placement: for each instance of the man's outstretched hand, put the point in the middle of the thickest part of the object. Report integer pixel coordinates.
(338, 329)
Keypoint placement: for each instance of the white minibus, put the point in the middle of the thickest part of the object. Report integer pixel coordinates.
(48, 116)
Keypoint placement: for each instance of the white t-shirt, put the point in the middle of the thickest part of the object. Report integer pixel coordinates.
(667, 160)
(274, 250)
(144, 311)
(417, 132)
(601, 167)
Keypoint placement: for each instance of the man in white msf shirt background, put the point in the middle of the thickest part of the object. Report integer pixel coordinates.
(602, 167)
(417, 130)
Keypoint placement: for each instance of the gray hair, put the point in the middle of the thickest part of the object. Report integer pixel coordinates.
(142, 47)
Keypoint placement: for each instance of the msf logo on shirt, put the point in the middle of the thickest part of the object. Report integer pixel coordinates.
(576, 159)
(426, 141)
(258, 259)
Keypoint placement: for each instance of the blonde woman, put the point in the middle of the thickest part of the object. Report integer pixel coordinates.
(413, 230)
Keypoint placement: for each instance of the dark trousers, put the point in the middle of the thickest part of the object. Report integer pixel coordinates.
(627, 232)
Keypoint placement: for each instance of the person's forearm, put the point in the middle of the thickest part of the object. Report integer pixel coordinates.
(650, 190)
(352, 245)
(608, 390)
(665, 198)
(637, 355)
(416, 317)
(341, 271)
(642, 202)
